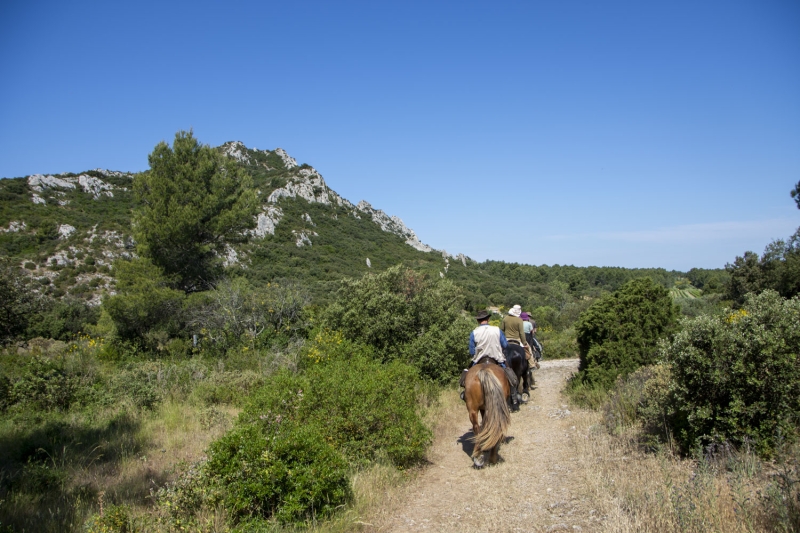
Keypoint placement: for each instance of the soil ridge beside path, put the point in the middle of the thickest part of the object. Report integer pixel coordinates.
(534, 488)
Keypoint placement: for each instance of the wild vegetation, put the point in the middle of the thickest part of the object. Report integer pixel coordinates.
(716, 392)
(191, 374)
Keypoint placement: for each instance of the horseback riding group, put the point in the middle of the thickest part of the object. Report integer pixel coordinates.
(503, 358)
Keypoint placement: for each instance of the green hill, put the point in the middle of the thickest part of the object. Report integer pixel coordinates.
(67, 229)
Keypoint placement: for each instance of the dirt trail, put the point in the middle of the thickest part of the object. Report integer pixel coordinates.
(533, 488)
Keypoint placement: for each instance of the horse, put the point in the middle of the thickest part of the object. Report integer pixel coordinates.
(486, 390)
(516, 360)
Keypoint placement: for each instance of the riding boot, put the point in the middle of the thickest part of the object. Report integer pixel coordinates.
(514, 397)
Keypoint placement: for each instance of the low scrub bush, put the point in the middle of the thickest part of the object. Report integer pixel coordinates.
(405, 316)
(231, 388)
(736, 376)
(368, 409)
(138, 386)
(292, 448)
(114, 519)
(47, 384)
(62, 319)
(289, 472)
(643, 397)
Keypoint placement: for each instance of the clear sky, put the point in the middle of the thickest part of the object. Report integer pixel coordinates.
(620, 133)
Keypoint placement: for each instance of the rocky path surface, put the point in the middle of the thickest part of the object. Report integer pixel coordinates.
(533, 488)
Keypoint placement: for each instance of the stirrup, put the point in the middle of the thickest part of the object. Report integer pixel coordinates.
(463, 399)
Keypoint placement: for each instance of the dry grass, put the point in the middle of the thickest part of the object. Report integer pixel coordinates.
(635, 491)
(135, 455)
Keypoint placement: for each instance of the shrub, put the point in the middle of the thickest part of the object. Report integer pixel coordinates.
(288, 472)
(114, 519)
(619, 332)
(17, 301)
(138, 386)
(645, 397)
(62, 319)
(144, 304)
(46, 384)
(737, 376)
(289, 453)
(368, 409)
(228, 387)
(237, 313)
(406, 316)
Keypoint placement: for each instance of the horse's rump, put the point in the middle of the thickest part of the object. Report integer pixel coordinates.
(496, 414)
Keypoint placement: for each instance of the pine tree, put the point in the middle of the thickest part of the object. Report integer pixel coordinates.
(193, 201)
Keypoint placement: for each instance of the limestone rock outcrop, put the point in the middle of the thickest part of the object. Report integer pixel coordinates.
(55, 187)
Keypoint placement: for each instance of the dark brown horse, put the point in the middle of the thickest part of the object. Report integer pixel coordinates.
(486, 391)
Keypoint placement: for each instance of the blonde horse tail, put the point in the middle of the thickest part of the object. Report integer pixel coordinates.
(496, 413)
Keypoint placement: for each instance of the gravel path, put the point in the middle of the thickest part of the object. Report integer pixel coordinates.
(533, 488)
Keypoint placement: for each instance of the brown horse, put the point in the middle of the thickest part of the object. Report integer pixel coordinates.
(486, 390)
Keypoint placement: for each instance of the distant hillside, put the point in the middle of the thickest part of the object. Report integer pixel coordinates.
(67, 229)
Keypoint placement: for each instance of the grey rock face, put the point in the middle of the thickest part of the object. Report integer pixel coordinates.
(288, 160)
(65, 230)
(266, 221)
(14, 226)
(393, 225)
(42, 185)
(236, 150)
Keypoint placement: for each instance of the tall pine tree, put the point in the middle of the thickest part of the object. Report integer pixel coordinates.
(193, 201)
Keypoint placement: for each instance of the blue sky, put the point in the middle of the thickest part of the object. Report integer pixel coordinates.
(621, 133)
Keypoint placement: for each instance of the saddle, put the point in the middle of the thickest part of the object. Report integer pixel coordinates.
(486, 360)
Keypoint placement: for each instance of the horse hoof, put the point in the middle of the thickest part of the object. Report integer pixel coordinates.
(525, 397)
(479, 461)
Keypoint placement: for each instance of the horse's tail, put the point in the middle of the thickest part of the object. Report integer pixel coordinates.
(496, 413)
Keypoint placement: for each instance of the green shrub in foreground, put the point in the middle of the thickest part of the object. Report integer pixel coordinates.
(289, 455)
(290, 473)
(368, 409)
(736, 377)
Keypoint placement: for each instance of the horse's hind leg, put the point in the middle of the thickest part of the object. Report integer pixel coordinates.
(473, 417)
(494, 454)
(478, 458)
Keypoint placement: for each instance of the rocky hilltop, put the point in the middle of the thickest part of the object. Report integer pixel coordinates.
(306, 183)
(80, 223)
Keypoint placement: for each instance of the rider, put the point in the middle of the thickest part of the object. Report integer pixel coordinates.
(530, 336)
(514, 329)
(488, 341)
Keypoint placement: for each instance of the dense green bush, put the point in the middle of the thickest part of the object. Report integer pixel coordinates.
(62, 319)
(737, 376)
(365, 407)
(48, 384)
(295, 440)
(619, 332)
(368, 409)
(287, 471)
(17, 301)
(145, 310)
(406, 316)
